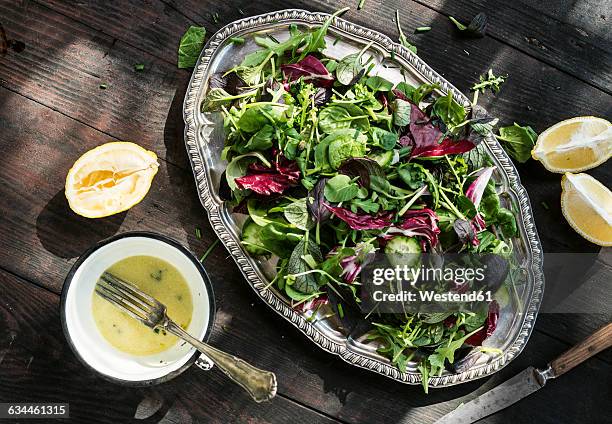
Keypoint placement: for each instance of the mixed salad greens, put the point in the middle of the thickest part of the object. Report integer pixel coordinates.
(331, 163)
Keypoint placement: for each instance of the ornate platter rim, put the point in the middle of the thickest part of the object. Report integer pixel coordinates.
(219, 216)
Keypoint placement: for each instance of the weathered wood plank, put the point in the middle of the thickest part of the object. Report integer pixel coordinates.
(576, 48)
(36, 364)
(65, 66)
(135, 105)
(42, 237)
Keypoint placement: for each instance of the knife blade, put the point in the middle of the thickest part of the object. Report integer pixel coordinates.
(528, 381)
(521, 385)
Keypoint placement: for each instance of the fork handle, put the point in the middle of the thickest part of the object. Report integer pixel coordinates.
(260, 384)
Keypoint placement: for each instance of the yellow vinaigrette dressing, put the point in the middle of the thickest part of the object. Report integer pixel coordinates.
(157, 278)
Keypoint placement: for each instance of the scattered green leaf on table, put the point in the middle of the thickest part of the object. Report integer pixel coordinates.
(190, 46)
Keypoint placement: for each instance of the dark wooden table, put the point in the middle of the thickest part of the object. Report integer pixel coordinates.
(559, 58)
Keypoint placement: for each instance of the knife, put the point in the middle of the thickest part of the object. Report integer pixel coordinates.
(528, 381)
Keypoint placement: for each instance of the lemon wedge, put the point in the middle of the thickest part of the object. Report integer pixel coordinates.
(575, 144)
(110, 179)
(587, 205)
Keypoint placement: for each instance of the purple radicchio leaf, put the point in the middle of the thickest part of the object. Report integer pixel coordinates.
(426, 138)
(478, 186)
(310, 69)
(489, 326)
(362, 221)
(418, 222)
(265, 181)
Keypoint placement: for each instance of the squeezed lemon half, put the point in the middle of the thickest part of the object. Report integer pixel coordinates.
(587, 205)
(110, 179)
(574, 145)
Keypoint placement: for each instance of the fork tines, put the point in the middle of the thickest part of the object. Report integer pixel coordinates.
(128, 298)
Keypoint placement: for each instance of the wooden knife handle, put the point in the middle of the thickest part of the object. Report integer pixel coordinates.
(591, 346)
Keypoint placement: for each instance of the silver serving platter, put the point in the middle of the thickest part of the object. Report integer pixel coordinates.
(204, 138)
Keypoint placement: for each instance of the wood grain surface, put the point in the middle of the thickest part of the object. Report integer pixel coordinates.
(53, 109)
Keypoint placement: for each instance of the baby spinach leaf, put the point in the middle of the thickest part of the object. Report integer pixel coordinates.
(190, 46)
(257, 212)
(340, 189)
(322, 155)
(345, 144)
(304, 283)
(380, 184)
(297, 214)
(518, 141)
(401, 112)
(383, 138)
(466, 206)
(451, 112)
(377, 83)
(405, 88)
(254, 118)
(261, 140)
(280, 238)
(336, 117)
(507, 223)
(349, 69)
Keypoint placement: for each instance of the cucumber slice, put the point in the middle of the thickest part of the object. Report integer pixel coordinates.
(402, 250)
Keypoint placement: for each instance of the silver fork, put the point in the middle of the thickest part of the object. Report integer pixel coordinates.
(260, 384)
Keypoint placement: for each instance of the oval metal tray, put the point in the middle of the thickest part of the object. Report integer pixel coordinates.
(204, 138)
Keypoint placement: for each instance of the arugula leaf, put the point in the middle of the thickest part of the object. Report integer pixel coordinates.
(190, 46)
(446, 352)
(340, 189)
(422, 91)
(489, 80)
(366, 205)
(518, 141)
(316, 41)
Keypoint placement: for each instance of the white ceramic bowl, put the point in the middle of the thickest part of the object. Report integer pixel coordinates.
(88, 343)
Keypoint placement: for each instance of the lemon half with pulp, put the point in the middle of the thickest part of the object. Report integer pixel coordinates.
(587, 205)
(110, 179)
(574, 145)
